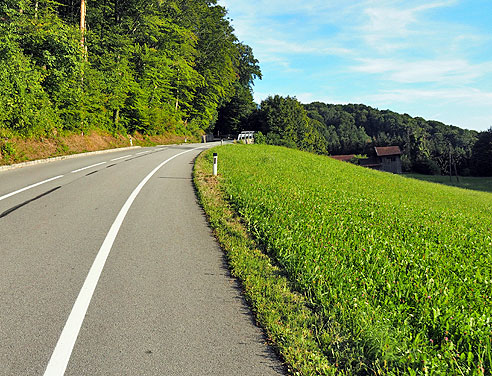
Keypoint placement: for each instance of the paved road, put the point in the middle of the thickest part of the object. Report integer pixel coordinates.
(109, 268)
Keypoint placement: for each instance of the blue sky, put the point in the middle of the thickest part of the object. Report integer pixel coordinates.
(426, 58)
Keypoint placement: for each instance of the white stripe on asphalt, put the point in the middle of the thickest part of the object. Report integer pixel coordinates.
(87, 167)
(144, 152)
(116, 159)
(29, 187)
(63, 350)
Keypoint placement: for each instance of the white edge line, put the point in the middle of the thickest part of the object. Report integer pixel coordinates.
(87, 167)
(61, 158)
(125, 156)
(63, 349)
(29, 187)
(144, 152)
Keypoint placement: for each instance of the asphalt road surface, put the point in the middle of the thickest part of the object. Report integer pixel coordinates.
(108, 267)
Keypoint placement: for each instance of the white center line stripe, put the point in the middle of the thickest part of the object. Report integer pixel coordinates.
(125, 156)
(63, 350)
(87, 167)
(144, 152)
(29, 187)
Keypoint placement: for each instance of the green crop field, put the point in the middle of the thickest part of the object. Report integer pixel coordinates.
(398, 271)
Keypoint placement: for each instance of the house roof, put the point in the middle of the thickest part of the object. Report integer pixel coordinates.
(344, 158)
(387, 151)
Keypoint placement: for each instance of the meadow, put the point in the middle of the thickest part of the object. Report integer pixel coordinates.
(468, 182)
(397, 271)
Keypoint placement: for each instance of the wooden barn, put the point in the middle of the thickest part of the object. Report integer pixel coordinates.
(385, 158)
(390, 158)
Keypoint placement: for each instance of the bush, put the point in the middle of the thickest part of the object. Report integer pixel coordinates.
(260, 138)
(7, 151)
(426, 167)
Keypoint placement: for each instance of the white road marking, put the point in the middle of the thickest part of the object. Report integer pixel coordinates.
(29, 187)
(87, 167)
(63, 350)
(144, 152)
(116, 159)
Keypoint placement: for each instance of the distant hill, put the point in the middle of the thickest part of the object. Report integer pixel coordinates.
(426, 144)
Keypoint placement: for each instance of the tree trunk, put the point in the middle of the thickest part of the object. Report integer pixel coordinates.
(82, 27)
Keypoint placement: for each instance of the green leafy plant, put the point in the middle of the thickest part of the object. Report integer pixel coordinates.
(8, 151)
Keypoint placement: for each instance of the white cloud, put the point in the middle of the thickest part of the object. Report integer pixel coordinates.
(443, 71)
(317, 48)
(468, 96)
(407, 47)
(392, 27)
(278, 62)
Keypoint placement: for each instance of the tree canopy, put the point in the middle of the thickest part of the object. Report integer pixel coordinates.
(428, 146)
(482, 154)
(140, 65)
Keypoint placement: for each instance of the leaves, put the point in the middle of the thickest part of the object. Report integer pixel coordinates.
(152, 66)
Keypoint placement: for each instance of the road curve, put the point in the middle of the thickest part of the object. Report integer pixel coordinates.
(109, 268)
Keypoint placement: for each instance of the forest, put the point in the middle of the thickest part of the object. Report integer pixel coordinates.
(121, 66)
(428, 146)
(175, 66)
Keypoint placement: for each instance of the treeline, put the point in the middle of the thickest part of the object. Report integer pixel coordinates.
(150, 66)
(428, 147)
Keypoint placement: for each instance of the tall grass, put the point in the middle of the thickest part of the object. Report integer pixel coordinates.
(399, 270)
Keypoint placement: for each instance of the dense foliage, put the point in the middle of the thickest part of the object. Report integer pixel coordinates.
(482, 154)
(428, 147)
(398, 269)
(140, 65)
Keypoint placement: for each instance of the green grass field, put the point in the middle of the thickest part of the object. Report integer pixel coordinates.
(398, 272)
(467, 182)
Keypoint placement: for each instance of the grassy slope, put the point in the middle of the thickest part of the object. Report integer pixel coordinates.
(18, 149)
(468, 182)
(396, 272)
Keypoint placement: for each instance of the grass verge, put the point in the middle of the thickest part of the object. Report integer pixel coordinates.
(283, 314)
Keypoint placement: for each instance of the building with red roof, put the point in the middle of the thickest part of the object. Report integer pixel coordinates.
(390, 158)
(386, 158)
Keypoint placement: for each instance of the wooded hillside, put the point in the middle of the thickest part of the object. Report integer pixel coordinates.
(122, 66)
(428, 146)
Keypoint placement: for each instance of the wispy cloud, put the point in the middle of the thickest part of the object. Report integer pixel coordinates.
(468, 96)
(396, 51)
(443, 71)
(317, 48)
(388, 26)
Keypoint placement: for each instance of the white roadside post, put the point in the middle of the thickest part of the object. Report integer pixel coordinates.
(215, 164)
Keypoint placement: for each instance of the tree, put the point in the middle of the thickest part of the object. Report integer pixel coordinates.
(284, 121)
(426, 144)
(155, 66)
(482, 154)
(232, 117)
